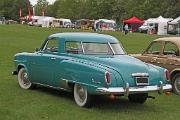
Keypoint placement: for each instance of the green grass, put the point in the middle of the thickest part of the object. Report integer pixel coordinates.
(46, 104)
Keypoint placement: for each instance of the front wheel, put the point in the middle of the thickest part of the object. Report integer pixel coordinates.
(176, 84)
(138, 98)
(23, 79)
(81, 96)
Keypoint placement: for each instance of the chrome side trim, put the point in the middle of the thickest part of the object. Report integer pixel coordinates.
(49, 86)
(138, 89)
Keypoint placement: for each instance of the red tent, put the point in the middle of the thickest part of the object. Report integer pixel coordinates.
(133, 20)
(134, 23)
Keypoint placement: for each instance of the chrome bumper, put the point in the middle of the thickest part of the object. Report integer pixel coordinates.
(139, 89)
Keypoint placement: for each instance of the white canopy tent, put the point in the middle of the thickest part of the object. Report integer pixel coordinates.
(47, 21)
(161, 24)
(37, 20)
(174, 26)
(175, 21)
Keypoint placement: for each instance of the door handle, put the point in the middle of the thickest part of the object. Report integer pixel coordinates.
(53, 58)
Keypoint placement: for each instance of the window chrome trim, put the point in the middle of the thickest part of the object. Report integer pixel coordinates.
(82, 47)
(111, 48)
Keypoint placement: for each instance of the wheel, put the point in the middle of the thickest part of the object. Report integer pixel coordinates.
(23, 79)
(176, 84)
(81, 96)
(138, 98)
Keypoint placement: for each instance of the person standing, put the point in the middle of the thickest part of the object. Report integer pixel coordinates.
(126, 29)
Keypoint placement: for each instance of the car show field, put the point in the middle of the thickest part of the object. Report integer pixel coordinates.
(44, 103)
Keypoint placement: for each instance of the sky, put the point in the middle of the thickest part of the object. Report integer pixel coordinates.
(33, 2)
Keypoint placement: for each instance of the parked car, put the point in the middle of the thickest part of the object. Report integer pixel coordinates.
(146, 27)
(89, 64)
(164, 52)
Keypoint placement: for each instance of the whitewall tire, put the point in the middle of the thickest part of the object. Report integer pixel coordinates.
(23, 79)
(81, 96)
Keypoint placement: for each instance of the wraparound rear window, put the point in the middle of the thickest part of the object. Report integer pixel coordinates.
(93, 48)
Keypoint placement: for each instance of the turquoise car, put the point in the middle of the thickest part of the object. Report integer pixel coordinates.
(89, 64)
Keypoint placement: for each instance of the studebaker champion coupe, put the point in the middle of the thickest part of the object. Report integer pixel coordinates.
(89, 64)
(164, 52)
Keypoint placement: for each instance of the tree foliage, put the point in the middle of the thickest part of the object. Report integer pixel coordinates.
(41, 7)
(114, 9)
(10, 8)
(94, 9)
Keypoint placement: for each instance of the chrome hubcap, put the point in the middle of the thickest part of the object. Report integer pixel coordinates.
(81, 93)
(24, 78)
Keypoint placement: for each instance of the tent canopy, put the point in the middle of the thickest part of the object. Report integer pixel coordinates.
(106, 21)
(133, 20)
(158, 20)
(175, 21)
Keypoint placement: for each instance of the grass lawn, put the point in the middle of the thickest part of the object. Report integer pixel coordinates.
(46, 104)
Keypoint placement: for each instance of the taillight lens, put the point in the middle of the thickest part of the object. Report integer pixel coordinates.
(167, 75)
(107, 78)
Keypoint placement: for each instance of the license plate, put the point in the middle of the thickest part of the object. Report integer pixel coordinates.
(142, 81)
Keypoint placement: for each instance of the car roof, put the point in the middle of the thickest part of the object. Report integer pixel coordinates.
(175, 40)
(84, 37)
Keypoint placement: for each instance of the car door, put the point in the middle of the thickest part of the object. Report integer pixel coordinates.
(170, 56)
(43, 63)
(152, 52)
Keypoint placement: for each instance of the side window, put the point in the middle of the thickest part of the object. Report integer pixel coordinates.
(155, 48)
(73, 47)
(170, 49)
(52, 45)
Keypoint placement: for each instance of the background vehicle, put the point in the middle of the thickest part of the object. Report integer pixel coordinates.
(164, 52)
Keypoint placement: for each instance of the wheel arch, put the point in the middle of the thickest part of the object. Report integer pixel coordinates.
(21, 66)
(174, 72)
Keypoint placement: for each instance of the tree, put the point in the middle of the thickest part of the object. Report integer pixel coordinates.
(41, 7)
(114, 9)
(10, 8)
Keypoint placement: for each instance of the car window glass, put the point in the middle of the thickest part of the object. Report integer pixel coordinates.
(73, 47)
(155, 48)
(170, 49)
(97, 48)
(52, 45)
(117, 48)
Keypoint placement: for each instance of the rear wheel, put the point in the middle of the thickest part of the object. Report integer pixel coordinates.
(176, 84)
(81, 96)
(138, 98)
(23, 79)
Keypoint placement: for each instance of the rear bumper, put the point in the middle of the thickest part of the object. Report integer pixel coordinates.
(140, 89)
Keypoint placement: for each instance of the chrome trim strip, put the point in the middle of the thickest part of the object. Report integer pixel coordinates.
(111, 48)
(82, 47)
(49, 86)
(141, 89)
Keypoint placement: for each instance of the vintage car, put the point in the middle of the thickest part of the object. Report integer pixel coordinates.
(89, 64)
(164, 52)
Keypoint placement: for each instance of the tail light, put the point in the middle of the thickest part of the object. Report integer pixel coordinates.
(167, 75)
(107, 78)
